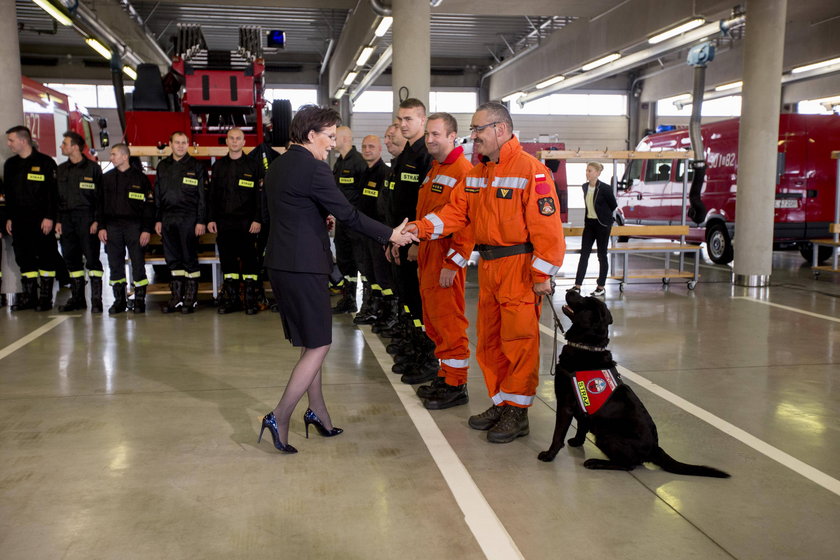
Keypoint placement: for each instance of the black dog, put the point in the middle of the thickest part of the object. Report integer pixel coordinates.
(623, 429)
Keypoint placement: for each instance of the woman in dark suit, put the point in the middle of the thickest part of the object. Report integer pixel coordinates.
(300, 194)
(600, 205)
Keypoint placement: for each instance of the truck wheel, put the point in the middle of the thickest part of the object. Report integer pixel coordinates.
(281, 119)
(718, 244)
(806, 249)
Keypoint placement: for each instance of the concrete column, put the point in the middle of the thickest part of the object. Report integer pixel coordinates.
(410, 69)
(757, 144)
(11, 114)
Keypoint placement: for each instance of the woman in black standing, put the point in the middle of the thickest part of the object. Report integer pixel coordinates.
(600, 205)
(300, 194)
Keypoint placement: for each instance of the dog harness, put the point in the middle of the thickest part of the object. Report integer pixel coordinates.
(594, 388)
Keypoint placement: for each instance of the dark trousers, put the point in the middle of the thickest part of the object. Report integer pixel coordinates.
(180, 245)
(345, 256)
(34, 251)
(380, 272)
(594, 232)
(77, 242)
(237, 249)
(122, 235)
(409, 285)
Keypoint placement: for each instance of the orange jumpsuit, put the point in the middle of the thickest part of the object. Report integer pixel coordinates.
(509, 203)
(444, 308)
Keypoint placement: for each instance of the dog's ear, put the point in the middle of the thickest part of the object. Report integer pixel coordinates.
(608, 316)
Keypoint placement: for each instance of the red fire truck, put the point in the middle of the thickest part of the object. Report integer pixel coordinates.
(49, 114)
(651, 191)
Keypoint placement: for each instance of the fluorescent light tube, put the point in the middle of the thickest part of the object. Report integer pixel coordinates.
(350, 77)
(59, 16)
(513, 96)
(98, 47)
(732, 85)
(363, 58)
(383, 26)
(129, 71)
(815, 65)
(678, 30)
(600, 62)
(550, 81)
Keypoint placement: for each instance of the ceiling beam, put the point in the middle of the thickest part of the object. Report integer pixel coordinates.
(111, 23)
(355, 35)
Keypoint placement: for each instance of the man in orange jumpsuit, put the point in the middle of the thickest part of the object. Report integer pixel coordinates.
(442, 269)
(510, 201)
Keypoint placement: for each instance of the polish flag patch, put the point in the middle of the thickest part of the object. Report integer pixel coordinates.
(542, 184)
(539, 177)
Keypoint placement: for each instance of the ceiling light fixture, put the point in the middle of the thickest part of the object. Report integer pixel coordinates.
(363, 58)
(383, 26)
(732, 85)
(550, 81)
(674, 99)
(678, 30)
(350, 77)
(57, 14)
(512, 96)
(600, 62)
(129, 71)
(99, 47)
(815, 65)
(340, 93)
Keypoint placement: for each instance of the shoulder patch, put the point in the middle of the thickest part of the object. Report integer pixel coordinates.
(546, 206)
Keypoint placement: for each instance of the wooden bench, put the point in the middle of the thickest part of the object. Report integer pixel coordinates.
(834, 243)
(659, 245)
(204, 257)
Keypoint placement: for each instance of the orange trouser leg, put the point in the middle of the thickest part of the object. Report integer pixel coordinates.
(444, 314)
(508, 330)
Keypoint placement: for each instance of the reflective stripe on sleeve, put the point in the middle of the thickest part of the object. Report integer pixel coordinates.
(456, 363)
(446, 180)
(544, 266)
(510, 182)
(457, 258)
(438, 223)
(501, 397)
(479, 182)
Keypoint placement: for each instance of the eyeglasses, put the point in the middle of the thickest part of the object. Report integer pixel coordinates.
(330, 136)
(476, 129)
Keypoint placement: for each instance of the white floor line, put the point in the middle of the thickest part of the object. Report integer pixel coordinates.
(491, 535)
(799, 467)
(21, 342)
(794, 309)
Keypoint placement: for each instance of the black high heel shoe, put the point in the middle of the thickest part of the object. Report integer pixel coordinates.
(310, 417)
(270, 422)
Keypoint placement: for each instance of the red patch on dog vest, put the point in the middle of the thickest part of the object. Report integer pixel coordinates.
(594, 388)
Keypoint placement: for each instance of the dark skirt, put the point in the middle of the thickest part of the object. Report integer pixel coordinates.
(304, 303)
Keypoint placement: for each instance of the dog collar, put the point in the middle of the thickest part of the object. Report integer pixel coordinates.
(586, 347)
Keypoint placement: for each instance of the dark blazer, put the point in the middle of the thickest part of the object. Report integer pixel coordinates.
(300, 192)
(604, 200)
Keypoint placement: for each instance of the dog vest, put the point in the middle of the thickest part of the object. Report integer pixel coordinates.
(594, 388)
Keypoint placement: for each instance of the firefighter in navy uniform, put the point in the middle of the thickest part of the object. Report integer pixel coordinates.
(2, 231)
(31, 207)
(349, 246)
(379, 298)
(126, 218)
(414, 351)
(263, 154)
(181, 219)
(79, 185)
(235, 217)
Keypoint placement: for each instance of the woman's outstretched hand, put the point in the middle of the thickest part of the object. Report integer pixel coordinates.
(403, 235)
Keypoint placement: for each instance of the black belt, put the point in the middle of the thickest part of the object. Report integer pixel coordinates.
(491, 252)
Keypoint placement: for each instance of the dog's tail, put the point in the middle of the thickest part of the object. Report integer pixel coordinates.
(668, 463)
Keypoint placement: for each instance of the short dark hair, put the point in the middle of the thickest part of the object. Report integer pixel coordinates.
(75, 139)
(178, 133)
(22, 132)
(413, 103)
(498, 113)
(121, 148)
(311, 117)
(449, 122)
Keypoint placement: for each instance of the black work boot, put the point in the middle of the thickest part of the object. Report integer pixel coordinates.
(230, 301)
(486, 419)
(45, 298)
(252, 297)
(389, 314)
(425, 369)
(347, 303)
(77, 296)
(190, 296)
(139, 299)
(176, 287)
(447, 397)
(96, 294)
(366, 315)
(28, 297)
(512, 424)
(120, 302)
(425, 391)
(2, 300)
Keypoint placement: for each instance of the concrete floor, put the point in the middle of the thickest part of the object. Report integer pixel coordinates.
(136, 437)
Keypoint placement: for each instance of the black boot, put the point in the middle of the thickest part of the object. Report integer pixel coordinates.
(389, 314)
(190, 296)
(77, 296)
(28, 297)
(447, 396)
(252, 294)
(120, 303)
(139, 299)
(422, 371)
(367, 313)
(176, 300)
(96, 294)
(347, 303)
(426, 391)
(45, 298)
(512, 424)
(2, 301)
(230, 301)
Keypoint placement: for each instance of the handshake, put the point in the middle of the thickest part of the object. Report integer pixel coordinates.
(404, 234)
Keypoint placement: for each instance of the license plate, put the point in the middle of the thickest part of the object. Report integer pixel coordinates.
(787, 203)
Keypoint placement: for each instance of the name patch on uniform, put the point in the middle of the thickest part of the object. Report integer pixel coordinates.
(546, 206)
(345, 180)
(188, 181)
(437, 188)
(33, 168)
(371, 192)
(410, 177)
(371, 183)
(247, 184)
(507, 194)
(136, 196)
(391, 185)
(87, 186)
(472, 190)
(34, 177)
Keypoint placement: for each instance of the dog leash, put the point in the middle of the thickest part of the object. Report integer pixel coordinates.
(557, 326)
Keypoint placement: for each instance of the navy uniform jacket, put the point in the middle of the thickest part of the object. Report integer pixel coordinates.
(300, 192)
(79, 185)
(126, 196)
(604, 201)
(410, 169)
(236, 191)
(179, 190)
(31, 189)
(348, 172)
(374, 181)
